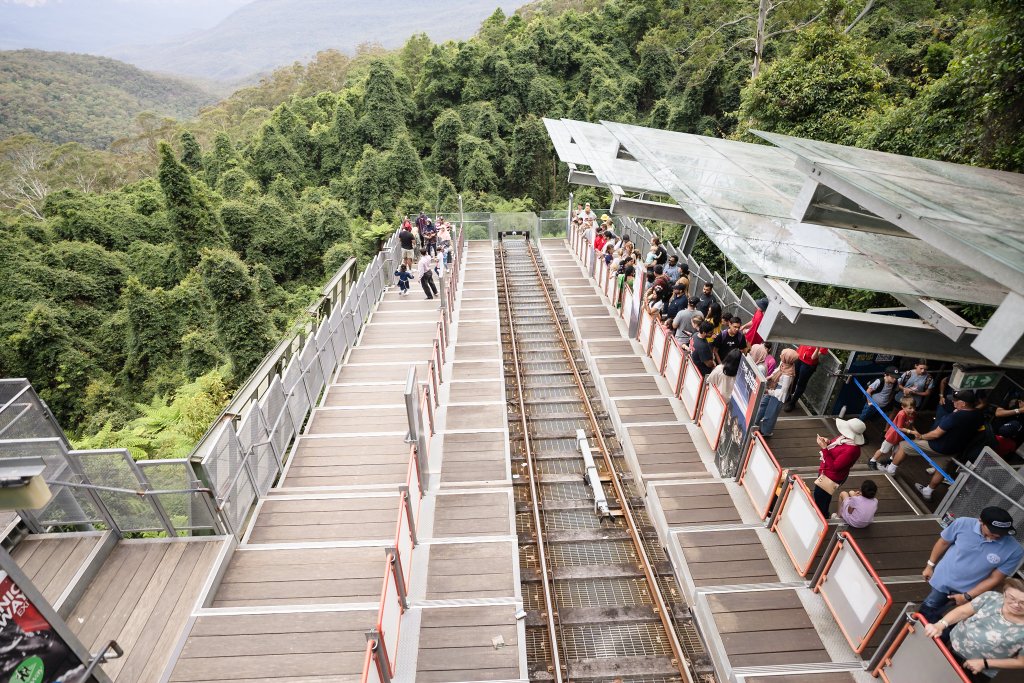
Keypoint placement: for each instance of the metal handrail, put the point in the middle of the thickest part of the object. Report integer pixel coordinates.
(260, 379)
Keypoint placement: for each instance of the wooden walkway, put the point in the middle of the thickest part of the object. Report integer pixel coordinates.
(737, 572)
(301, 590)
(472, 588)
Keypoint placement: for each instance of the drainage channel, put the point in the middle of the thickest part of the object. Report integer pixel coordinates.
(601, 600)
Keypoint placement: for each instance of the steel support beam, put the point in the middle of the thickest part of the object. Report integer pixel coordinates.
(1000, 340)
(578, 177)
(655, 211)
(870, 332)
(822, 205)
(938, 316)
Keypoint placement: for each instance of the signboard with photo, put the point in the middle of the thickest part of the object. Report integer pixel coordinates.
(32, 651)
(746, 393)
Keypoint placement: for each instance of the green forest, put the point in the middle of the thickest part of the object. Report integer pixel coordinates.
(62, 97)
(141, 283)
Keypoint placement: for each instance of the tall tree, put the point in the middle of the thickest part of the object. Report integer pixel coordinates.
(445, 153)
(242, 324)
(191, 152)
(384, 106)
(194, 226)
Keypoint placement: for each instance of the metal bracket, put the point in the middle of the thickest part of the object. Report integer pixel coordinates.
(101, 657)
(403, 490)
(396, 568)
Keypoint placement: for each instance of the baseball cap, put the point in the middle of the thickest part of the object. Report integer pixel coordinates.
(680, 287)
(892, 371)
(998, 521)
(966, 395)
(694, 300)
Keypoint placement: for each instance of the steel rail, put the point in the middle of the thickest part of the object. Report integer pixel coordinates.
(661, 606)
(553, 630)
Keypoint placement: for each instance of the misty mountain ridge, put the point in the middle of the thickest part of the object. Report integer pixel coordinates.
(257, 37)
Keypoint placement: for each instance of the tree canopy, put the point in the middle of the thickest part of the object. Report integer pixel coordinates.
(144, 281)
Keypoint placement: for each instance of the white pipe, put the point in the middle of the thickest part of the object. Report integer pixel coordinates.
(600, 502)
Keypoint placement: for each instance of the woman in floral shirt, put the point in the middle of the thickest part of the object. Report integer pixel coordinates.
(987, 633)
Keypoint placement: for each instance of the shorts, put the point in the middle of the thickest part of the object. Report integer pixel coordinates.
(408, 253)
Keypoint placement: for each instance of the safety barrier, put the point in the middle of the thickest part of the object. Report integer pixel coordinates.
(853, 592)
(103, 488)
(799, 524)
(675, 363)
(659, 345)
(761, 475)
(913, 657)
(646, 330)
(712, 415)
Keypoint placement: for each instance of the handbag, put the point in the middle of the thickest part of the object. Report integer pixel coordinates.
(826, 484)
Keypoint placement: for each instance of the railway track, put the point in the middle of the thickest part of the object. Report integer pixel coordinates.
(601, 601)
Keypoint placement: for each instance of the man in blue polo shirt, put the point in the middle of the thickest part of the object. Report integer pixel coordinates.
(971, 556)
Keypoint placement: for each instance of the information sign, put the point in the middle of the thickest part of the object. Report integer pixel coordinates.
(966, 379)
(32, 649)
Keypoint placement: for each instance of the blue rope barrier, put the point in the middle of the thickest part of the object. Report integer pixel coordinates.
(949, 479)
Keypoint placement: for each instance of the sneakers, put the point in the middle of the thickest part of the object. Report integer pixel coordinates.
(890, 469)
(872, 464)
(925, 491)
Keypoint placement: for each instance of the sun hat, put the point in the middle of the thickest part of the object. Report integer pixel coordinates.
(852, 429)
(998, 521)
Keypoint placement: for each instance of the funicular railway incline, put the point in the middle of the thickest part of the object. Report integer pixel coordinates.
(601, 600)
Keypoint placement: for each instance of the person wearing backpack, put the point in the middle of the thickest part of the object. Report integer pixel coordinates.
(916, 383)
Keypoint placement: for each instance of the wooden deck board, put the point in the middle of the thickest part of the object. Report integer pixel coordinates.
(470, 570)
(455, 644)
(302, 576)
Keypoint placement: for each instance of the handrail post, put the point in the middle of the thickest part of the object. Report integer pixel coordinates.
(403, 490)
(568, 219)
(883, 647)
(415, 418)
(373, 637)
(786, 483)
(396, 570)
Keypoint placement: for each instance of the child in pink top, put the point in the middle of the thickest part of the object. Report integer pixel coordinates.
(904, 420)
(858, 508)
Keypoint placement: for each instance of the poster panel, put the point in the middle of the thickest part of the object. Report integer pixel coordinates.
(31, 649)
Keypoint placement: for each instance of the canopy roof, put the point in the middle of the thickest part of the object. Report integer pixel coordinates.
(821, 213)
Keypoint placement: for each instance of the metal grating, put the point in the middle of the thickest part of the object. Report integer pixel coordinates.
(593, 552)
(615, 640)
(603, 592)
(574, 520)
(554, 411)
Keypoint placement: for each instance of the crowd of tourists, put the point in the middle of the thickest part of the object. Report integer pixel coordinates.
(973, 605)
(426, 250)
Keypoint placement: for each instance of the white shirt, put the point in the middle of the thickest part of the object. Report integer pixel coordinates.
(424, 266)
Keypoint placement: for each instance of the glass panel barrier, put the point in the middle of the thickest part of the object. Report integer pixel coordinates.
(691, 387)
(913, 657)
(674, 361)
(712, 416)
(853, 592)
(646, 330)
(800, 525)
(390, 616)
(659, 339)
(761, 475)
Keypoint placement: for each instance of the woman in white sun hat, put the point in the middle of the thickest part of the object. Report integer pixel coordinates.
(838, 456)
